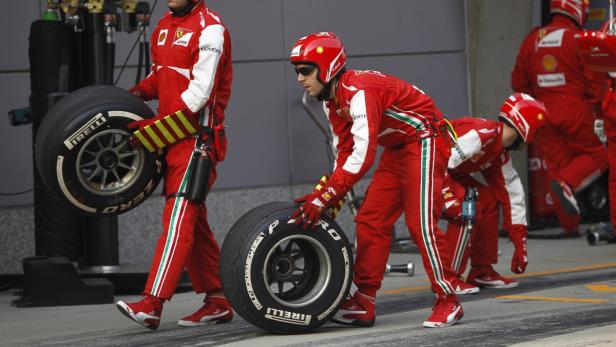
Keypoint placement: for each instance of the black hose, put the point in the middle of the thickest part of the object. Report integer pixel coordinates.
(140, 57)
(147, 58)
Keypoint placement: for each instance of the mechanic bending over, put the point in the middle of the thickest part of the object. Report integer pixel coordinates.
(483, 148)
(365, 109)
(191, 77)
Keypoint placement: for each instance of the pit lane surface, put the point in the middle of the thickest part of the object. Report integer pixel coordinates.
(569, 299)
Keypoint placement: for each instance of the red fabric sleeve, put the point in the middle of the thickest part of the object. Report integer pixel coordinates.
(506, 186)
(520, 79)
(365, 111)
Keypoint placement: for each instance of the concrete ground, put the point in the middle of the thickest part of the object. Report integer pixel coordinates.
(567, 297)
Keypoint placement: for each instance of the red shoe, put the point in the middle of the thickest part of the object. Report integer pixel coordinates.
(462, 288)
(566, 197)
(215, 310)
(357, 310)
(486, 277)
(145, 312)
(446, 311)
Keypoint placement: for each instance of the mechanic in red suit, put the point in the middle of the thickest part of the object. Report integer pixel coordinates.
(191, 77)
(599, 51)
(549, 68)
(482, 149)
(366, 109)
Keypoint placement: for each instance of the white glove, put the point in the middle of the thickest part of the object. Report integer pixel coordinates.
(599, 130)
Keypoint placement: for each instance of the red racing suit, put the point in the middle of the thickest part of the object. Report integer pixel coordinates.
(370, 109)
(549, 68)
(479, 150)
(609, 124)
(191, 71)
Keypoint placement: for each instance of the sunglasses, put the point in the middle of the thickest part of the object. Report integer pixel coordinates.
(304, 70)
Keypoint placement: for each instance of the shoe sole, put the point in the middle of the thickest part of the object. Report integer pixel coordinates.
(427, 324)
(188, 323)
(500, 286)
(356, 322)
(467, 291)
(123, 307)
(566, 205)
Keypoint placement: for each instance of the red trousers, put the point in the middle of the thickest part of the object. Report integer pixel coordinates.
(610, 132)
(571, 149)
(187, 240)
(482, 242)
(408, 179)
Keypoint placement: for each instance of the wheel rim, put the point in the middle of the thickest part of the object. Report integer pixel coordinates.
(297, 270)
(107, 164)
(597, 197)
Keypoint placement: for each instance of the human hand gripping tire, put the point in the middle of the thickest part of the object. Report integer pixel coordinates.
(324, 195)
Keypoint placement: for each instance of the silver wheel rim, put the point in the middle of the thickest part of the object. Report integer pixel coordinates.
(107, 164)
(297, 270)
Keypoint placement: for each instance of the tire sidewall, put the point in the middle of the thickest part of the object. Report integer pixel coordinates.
(263, 310)
(86, 113)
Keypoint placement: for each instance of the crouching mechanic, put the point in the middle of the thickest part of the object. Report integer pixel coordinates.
(482, 148)
(191, 77)
(365, 109)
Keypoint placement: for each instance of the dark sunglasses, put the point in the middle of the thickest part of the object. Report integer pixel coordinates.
(304, 70)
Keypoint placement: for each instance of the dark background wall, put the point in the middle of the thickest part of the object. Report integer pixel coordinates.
(272, 141)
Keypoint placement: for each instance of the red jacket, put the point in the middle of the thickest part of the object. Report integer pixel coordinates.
(191, 64)
(372, 108)
(479, 149)
(549, 65)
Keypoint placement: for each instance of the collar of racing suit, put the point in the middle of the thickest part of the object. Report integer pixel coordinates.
(561, 20)
(184, 10)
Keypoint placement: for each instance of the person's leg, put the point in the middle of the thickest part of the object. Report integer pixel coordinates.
(174, 244)
(179, 219)
(202, 264)
(610, 132)
(380, 209)
(422, 173)
(550, 144)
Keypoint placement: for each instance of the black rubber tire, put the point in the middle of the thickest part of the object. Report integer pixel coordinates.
(245, 267)
(74, 125)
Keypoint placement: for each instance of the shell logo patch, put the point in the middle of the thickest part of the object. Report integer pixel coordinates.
(540, 116)
(549, 63)
(162, 37)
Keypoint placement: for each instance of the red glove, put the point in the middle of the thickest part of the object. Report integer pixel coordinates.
(140, 124)
(138, 93)
(325, 195)
(161, 131)
(519, 261)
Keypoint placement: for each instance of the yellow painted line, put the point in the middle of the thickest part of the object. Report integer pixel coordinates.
(528, 274)
(545, 298)
(602, 288)
(566, 270)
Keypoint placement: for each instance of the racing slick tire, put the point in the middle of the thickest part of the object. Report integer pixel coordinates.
(83, 154)
(280, 277)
